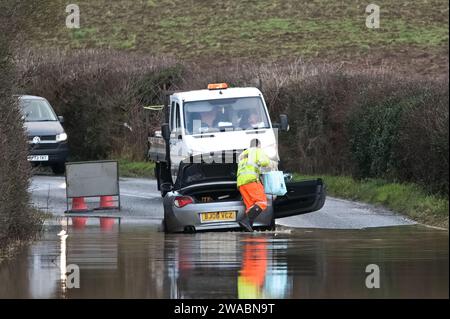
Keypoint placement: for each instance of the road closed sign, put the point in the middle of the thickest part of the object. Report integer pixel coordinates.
(89, 179)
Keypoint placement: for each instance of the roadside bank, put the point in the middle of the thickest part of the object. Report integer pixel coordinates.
(407, 199)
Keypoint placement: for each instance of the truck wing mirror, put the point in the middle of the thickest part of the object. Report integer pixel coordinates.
(165, 131)
(284, 123)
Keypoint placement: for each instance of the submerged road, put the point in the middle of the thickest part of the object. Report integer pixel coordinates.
(324, 254)
(141, 200)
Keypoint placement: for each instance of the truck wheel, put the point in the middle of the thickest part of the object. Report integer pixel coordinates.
(58, 169)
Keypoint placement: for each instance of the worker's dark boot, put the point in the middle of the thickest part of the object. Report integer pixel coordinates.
(245, 223)
(253, 213)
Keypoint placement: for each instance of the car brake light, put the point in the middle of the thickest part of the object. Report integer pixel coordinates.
(181, 201)
(217, 86)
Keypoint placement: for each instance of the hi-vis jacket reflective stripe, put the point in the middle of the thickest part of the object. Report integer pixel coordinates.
(250, 162)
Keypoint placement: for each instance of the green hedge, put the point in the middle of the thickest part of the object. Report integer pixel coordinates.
(369, 126)
(18, 222)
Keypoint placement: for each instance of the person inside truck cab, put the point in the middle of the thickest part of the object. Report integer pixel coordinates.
(249, 120)
(209, 119)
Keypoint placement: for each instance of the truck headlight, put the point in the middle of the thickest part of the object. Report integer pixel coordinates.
(61, 137)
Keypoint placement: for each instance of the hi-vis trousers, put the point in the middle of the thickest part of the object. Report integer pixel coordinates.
(253, 194)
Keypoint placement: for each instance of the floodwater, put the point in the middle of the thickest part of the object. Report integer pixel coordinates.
(138, 261)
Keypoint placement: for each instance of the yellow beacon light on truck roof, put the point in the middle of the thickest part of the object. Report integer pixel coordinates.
(217, 86)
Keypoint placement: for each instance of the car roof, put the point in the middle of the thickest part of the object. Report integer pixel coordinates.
(29, 97)
(202, 95)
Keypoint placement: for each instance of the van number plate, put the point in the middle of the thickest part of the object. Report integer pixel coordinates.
(228, 216)
(37, 158)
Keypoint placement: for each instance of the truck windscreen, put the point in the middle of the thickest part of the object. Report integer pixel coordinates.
(243, 113)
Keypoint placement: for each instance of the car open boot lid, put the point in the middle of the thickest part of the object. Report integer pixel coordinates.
(208, 187)
(207, 168)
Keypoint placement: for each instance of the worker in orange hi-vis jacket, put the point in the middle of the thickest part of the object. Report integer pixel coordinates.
(248, 181)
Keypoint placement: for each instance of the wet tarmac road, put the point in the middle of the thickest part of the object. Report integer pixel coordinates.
(135, 260)
(318, 255)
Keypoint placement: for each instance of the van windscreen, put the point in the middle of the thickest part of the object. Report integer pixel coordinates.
(37, 111)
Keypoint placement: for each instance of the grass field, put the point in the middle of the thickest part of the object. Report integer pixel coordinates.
(258, 30)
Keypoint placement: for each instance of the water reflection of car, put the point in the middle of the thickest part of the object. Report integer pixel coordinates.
(46, 137)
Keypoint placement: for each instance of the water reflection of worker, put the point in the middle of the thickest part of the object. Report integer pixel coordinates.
(254, 267)
(248, 181)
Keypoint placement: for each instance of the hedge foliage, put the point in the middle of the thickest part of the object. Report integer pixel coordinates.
(366, 124)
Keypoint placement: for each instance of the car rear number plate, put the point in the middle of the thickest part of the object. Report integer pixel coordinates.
(227, 216)
(37, 158)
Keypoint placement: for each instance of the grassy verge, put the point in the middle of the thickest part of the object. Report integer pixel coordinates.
(407, 199)
(10, 246)
(136, 169)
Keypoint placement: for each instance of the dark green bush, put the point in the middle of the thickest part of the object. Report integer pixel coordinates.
(422, 150)
(316, 107)
(367, 125)
(398, 130)
(373, 129)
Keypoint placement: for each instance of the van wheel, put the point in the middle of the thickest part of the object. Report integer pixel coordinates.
(58, 169)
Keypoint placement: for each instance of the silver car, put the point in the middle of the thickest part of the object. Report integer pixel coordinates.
(216, 204)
